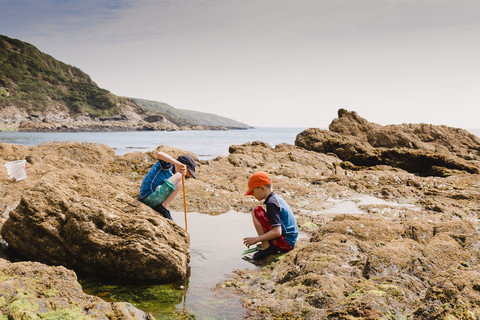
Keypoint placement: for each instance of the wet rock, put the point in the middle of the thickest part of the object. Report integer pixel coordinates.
(417, 148)
(31, 290)
(84, 220)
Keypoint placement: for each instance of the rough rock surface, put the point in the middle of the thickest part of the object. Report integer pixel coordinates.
(372, 268)
(66, 123)
(410, 251)
(31, 290)
(90, 221)
(58, 118)
(418, 148)
(431, 138)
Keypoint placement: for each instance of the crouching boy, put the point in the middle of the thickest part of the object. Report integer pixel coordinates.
(276, 227)
(164, 180)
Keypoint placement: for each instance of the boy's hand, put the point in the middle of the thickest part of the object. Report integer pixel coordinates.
(250, 241)
(182, 169)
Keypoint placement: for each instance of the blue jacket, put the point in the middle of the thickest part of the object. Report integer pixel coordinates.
(157, 174)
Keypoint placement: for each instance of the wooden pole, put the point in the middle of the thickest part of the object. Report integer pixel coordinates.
(184, 201)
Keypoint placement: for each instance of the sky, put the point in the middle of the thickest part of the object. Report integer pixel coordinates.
(280, 63)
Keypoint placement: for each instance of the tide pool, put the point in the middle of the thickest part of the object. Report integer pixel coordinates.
(216, 244)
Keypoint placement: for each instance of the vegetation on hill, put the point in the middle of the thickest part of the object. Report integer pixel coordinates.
(187, 117)
(34, 80)
(38, 83)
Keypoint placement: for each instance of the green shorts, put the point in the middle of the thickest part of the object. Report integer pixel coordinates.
(160, 194)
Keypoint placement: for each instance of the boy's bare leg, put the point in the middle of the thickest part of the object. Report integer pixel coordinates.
(176, 179)
(259, 229)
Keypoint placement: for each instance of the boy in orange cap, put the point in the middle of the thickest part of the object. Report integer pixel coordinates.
(276, 227)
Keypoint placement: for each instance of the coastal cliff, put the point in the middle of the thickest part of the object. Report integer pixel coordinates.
(410, 254)
(40, 93)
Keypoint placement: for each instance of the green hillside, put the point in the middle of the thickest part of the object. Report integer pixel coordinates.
(187, 117)
(33, 80)
(38, 83)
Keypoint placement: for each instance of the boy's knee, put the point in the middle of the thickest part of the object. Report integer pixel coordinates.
(176, 179)
(258, 211)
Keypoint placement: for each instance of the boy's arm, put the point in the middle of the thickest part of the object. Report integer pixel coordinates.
(275, 232)
(179, 167)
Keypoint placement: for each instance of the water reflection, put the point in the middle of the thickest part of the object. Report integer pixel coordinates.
(216, 250)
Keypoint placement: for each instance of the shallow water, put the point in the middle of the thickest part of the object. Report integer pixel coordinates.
(216, 251)
(355, 205)
(216, 244)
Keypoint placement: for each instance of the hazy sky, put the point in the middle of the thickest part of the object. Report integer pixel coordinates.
(271, 62)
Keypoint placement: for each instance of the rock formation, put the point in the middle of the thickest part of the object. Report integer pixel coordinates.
(31, 290)
(92, 222)
(83, 220)
(418, 148)
(369, 268)
(56, 119)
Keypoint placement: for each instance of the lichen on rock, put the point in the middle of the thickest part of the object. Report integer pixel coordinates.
(31, 290)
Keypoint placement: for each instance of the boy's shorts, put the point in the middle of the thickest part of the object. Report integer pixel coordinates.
(160, 194)
(262, 217)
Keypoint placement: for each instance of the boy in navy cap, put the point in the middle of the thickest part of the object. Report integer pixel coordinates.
(277, 227)
(164, 180)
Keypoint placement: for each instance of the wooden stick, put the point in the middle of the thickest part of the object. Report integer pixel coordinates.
(184, 201)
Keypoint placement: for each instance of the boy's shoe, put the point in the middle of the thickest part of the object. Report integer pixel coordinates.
(262, 254)
(254, 249)
(163, 211)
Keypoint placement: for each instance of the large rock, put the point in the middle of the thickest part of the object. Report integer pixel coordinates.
(373, 268)
(418, 148)
(45, 158)
(428, 137)
(31, 290)
(88, 221)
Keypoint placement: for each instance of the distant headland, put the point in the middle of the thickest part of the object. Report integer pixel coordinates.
(41, 93)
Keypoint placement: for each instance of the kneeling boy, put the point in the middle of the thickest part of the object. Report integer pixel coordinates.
(277, 227)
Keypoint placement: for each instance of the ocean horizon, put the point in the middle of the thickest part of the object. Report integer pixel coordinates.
(205, 144)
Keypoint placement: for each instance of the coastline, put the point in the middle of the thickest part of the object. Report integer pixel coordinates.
(110, 127)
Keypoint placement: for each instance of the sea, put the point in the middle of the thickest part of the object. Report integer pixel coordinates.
(205, 144)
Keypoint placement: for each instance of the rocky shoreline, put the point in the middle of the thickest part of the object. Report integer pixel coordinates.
(414, 255)
(58, 120)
